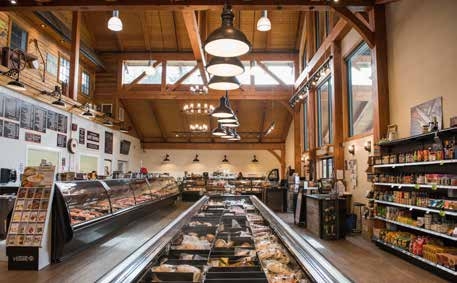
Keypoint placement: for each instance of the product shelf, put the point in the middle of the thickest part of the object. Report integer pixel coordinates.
(416, 257)
(417, 228)
(426, 209)
(428, 186)
(423, 163)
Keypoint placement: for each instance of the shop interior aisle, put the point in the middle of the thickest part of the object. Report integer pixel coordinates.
(92, 263)
(363, 262)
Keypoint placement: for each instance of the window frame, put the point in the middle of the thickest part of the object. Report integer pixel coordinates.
(59, 79)
(16, 24)
(89, 87)
(320, 137)
(349, 113)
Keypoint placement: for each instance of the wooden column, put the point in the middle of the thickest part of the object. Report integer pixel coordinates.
(297, 146)
(312, 130)
(283, 163)
(337, 109)
(74, 56)
(379, 73)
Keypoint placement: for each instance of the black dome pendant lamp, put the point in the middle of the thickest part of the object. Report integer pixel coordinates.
(223, 110)
(225, 66)
(223, 83)
(227, 41)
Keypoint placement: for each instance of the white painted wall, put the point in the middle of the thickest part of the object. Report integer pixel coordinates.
(13, 152)
(210, 160)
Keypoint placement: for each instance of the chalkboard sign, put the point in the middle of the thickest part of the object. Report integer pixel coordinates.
(125, 147)
(93, 146)
(26, 115)
(12, 108)
(31, 137)
(109, 142)
(39, 119)
(11, 130)
(61, 140)
(62, 123)
(93, 137)
(52, 120)
(2, 99)
(82, 136)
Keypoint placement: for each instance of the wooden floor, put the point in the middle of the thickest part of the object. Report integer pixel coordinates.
(90, 264)
(363, 261)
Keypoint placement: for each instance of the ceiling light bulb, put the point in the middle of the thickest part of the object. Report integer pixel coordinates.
(264, 24)
(115, 23)
(13, 2)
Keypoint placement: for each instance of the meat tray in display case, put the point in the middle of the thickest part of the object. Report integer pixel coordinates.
(226, 239)
(86, 211)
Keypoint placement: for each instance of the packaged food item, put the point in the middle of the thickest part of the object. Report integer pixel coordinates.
(14, 228)
(20, 204)
(28, 241)
(22, 193)
(20, 240)
(39, 228)
(30, 193)
(41, 216)
(36, 241)
(25, 216)
(33, 216)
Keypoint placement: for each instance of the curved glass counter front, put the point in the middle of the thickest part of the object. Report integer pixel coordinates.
(141, 190)
(120, 194)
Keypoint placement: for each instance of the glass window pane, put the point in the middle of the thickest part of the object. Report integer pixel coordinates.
(35, 157)
(64, 70)
(284, 70)
(324, 114)
(360, 91)
(177, 69)
(51, 64)
(245, 78)
(134, 68)
(18, 38)
(262, 78)
(85, 83)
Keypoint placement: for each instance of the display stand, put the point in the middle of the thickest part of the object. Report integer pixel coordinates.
(28, 242)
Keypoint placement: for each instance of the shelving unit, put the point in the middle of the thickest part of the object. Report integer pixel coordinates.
(426, 209)
(410, 191)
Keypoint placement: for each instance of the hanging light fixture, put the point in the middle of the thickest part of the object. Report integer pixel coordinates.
(228, 134)
(16, 85)
(225, 160)
(196, 158)
(231, 124)
(167, 158)
(223, 111)
(198, 108)
(200, 128)
(107, 122)
(225, 66)
(57, 92)
(87, 113)
(115, 23)
(198, 90)
(227, 41)
(235, 137)
(254, 160)
(264, 24)
(223, 83)
(124, 129)
(219, 131)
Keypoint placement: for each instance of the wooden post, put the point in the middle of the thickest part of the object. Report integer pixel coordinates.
(312, 130)
(337, 109)
(297, 146)
(283, 162)
(74, 56)
(379, 73)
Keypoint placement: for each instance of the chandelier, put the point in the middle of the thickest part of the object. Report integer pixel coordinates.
(198, 127)
(198, 108)
(199, 90)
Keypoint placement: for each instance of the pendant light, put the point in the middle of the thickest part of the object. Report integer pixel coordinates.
(124, 129)
(225, 66)
(87, 113)
(107, 122)
(254, 160)
(115, 23)
(227, 41)
(223, 83)
(235, 137)
(16, 85)
(264, 24)
(196, 159)
(59, 101)
(222, 111)
(225, 160)
(219, 131)
(228, 134)
(167, 158)
(231, 124)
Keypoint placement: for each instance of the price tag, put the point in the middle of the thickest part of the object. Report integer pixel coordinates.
(410, 209)
(399, 187)
(442, 162)
(434, 187)
(442, 213)
(416, 186)
(393, 166)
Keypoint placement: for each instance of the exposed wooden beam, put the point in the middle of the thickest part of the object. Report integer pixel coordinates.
(183, 78)
(160, 123)
(74, 54)
(269, 72)
(357, 24)
(213, 146)
(286, 106)
(301, 41)
(163, 83)
(97, 5)
(141, 76)
(134, 126)
(337, 109)
(283, 163)
(297, 140)
(147, 38)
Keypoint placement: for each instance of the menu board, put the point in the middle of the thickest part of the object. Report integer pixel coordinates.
(30, 212)
(12, 108)
(31, 137)
(93, 137)
(26, 115)
(2, 99)
(52, 120)
(10, 130)
(82, 136)
(93, 146)
(109, 142)
(39, 119)
(61, 140)
(125, 147)
(62, 123)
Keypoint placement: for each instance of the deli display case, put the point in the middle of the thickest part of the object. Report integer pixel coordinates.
(226, 239)
(86, 211)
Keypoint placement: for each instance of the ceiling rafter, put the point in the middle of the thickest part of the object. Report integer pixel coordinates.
(359, 25)
(147, 38)
(193, 31)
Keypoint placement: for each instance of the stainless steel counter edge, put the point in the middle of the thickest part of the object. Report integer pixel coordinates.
(135, 263)
(319, 268)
